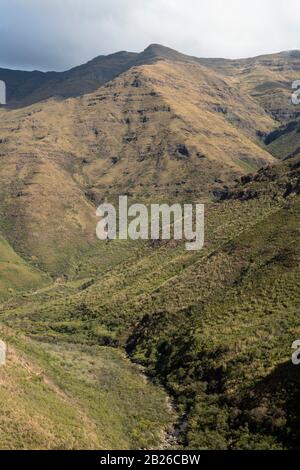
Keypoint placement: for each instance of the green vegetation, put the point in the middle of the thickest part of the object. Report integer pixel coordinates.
(15, 274)
(70, 397)
(87, 321)
(214, 327)
(228, 361)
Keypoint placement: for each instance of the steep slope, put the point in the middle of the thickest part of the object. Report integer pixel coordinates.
(25, 88)
(44, 213)
(228, 361)
(284, 142)
(52, 400)
(268, 79)
(226, 356)
(162, 126)
(15, 273)
(216, 326)
(161, 131)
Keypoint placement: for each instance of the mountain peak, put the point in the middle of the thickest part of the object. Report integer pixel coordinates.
(157, 50)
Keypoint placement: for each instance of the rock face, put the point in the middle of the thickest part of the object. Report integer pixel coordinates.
(2, 353)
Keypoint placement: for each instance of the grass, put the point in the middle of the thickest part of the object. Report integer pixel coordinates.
(214, 328)
(118, 140)
(228, 361)
(15, 274)
(71, 397)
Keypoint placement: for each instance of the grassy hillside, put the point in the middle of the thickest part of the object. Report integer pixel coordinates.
(215, 327)
(284, 142)
(228, 361)
(168, 127)
(156, 131)
(267, 79)
(15, 274)
(70, 397)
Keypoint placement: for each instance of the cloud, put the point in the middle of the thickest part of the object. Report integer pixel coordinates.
(58, 34)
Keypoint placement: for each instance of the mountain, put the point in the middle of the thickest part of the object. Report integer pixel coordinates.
(214, 328)
(170, 129)
(24, 88)
(263, 77)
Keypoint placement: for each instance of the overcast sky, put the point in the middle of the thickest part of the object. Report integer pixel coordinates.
(58, 34)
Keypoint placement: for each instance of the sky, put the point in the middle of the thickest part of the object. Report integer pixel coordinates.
(59, 34)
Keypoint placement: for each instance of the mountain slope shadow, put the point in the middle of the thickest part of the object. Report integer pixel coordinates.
(276, 407)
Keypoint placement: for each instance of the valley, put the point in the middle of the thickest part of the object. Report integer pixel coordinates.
(102, 337)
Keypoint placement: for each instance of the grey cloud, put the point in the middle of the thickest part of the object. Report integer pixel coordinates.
(58, 34)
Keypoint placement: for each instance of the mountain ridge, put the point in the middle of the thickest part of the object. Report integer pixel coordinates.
(28, 87)
(215, 326)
